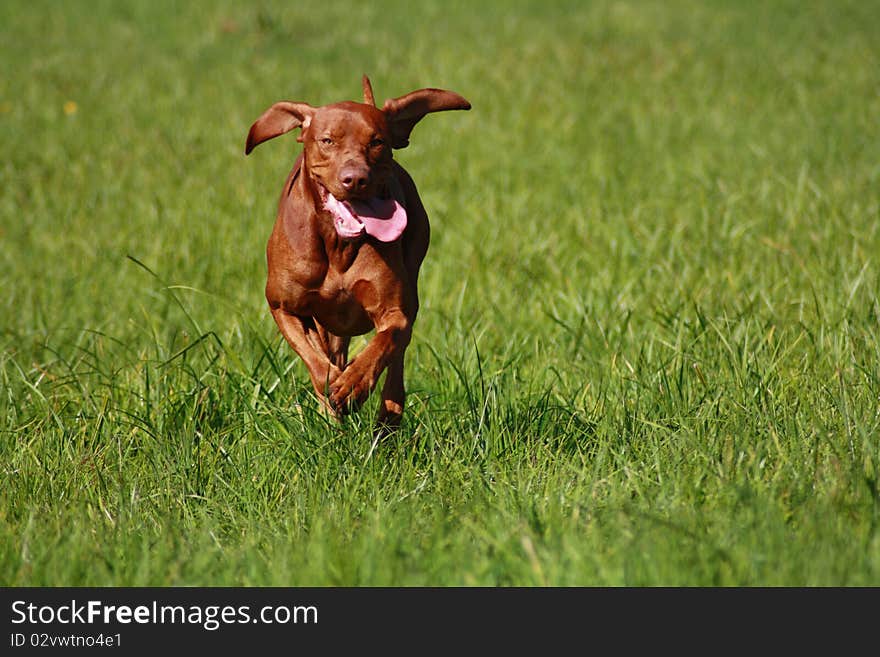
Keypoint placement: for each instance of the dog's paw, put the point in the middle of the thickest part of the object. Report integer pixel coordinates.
(350, 389)
(386, 424)
(389, 417)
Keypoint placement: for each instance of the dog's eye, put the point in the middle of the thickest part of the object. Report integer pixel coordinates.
(326, 141)
(375, 143)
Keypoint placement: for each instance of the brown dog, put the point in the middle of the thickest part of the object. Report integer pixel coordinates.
(348, 242)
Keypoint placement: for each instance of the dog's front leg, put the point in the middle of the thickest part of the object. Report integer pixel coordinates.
(352, 387)
(304, 337)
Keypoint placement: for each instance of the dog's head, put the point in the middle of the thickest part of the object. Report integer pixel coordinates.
(348, 146)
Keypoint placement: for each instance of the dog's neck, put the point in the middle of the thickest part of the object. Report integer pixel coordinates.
(340, 252)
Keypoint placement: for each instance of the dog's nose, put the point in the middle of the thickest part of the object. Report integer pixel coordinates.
(354, 178)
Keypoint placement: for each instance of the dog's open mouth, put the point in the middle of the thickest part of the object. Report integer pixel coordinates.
(384, 219)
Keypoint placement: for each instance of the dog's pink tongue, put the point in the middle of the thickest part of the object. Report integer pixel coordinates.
(384, 219)
(347, 225)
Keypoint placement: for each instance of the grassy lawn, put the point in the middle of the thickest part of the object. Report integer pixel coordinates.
(649, 345)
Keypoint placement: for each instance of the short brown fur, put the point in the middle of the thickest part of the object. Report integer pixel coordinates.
(323, 289)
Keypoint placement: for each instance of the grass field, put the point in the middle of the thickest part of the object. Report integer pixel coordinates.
(648, 350)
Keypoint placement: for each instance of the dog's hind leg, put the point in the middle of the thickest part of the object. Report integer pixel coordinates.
(393, 397)
(335, 346)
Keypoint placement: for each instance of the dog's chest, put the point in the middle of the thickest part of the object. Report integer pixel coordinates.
(335, 306)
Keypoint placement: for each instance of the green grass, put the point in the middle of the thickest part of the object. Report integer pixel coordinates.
(648, 352)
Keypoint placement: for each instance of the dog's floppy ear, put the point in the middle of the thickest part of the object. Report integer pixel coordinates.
(403, 113)
(368, 91)
(280, 118)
